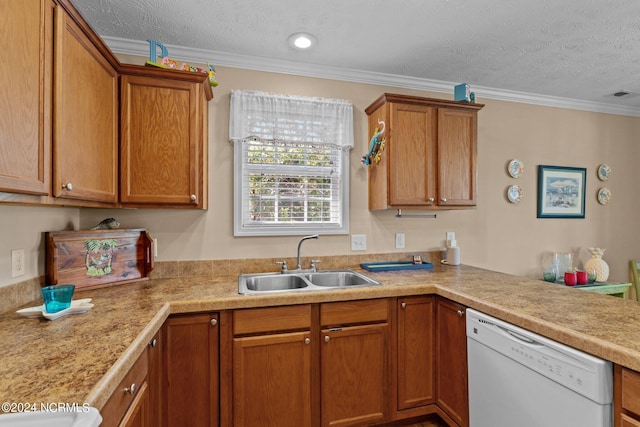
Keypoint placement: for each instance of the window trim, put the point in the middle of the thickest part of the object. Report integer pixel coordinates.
(289, 229)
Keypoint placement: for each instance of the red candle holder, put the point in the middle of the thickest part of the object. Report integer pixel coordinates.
(570, 278)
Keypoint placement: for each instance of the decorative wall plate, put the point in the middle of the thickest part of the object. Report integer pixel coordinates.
(515, 168)
(604, 172)
(604, 196)
(514, 193)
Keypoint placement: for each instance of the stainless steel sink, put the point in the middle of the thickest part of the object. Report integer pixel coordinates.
(302, 281)
(340, 278)
(279, 282)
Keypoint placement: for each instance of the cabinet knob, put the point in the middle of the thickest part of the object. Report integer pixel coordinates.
(460, 313)
(307, 340)
(403, 305)
(214, 322)
(326, 338)
(431, 200)
(68, 186)
(131, 389)
(193, 197)
(443, 200)
(153, 343)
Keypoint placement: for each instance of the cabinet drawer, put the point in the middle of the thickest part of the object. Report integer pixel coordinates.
(631, 391)
(353, 312)
(271, 319)
(121, 399)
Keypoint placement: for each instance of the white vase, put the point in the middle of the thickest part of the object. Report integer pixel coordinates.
(597, 264)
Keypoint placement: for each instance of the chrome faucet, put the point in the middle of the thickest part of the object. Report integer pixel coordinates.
(313, 236)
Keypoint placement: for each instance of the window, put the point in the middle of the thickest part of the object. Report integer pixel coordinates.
(291, 160)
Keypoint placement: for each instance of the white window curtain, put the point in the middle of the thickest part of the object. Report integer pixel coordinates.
(291, 163)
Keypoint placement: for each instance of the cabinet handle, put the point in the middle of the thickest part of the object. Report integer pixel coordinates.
(403, 305)
(307, 340)
(68, 186)
(431, 200)
(326, 338)
(153, 343)
(460, 313)
(214, 322)
(443, 200)
(193, 198)
(131, 389)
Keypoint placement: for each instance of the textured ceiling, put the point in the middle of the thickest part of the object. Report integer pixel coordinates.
(576, 49)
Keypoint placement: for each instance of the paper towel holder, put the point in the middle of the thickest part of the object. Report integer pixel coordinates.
(399, 214)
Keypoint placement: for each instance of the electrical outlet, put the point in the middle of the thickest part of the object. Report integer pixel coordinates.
(17, 262)
(358, 242)
(451, 235)
(399, 240)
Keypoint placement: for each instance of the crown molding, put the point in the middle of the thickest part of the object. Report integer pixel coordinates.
(226, 59)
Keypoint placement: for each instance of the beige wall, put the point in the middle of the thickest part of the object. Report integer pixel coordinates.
(497, 235)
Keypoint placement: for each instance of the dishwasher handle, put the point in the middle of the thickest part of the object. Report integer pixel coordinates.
(519, 337)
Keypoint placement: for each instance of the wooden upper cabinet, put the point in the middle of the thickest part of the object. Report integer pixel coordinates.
(25, 101)
(412, 165)
(163, 157)
(85, 131)
(457, 152)
(429, 159)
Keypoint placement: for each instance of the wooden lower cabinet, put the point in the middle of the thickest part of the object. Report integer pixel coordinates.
(272, 380)
(271, 367)
(138, 414)
(626, 395)
(414, 358)
(155, 378)
(354, 362)
(309, 365)
(452, 394)
(191, 376)
(354, 375)
(128, 406)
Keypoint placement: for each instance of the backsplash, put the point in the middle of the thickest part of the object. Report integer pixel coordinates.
(20, 294)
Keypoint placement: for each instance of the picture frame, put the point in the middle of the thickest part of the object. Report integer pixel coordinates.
(561, 191)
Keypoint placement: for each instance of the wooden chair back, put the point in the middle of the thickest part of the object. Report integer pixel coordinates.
(634, 267)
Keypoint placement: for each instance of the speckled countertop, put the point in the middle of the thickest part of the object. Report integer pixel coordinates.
(81, 358)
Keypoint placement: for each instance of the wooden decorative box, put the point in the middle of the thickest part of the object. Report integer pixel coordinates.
(97, 258)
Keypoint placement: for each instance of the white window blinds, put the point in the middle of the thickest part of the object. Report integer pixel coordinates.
(291, 163)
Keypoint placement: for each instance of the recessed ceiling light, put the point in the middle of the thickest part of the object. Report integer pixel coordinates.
(302, 41)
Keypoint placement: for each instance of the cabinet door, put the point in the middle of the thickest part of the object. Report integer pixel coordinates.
(191, 371)
(415, 361)
(85, 131)
(412, 156)
(25, 103)
(451, 361)
(354, 375)
(138, 413)
(457, 151)
(628, 421)
(161, 153)
(272, 380)
(155, 379)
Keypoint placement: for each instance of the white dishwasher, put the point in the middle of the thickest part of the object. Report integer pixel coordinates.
(518, 378)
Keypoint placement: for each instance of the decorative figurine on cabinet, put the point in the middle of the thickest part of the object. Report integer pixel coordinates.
(376, 146)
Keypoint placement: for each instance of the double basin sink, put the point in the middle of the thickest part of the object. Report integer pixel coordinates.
(302, 281)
